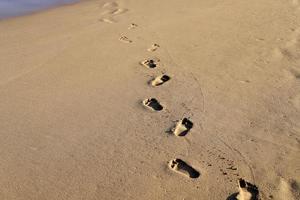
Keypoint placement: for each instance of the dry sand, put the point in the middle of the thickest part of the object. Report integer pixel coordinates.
(72, 122)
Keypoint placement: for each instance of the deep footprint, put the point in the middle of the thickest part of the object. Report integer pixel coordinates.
(183, 168)
(183, 127)
(160, 80)
(247, 191)
(153, 104)
(149, 63)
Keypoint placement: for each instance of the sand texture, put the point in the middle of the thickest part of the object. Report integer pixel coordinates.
(86, 112)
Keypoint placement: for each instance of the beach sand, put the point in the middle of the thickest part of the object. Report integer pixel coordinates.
(82, 118)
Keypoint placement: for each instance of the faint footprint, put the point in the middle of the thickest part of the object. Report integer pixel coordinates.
(183, 127)
(154, 47)
(183, 168)
(153, 104)
(149, 63)
(125, 39)
(160, 80)
(107, 20)
(247, 191)
(111, 9)
(132, 26)
(288, 189)
(119, 11)
(110, 5)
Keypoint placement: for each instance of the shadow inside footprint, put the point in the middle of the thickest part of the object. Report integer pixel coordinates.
(149, 63)
(153, 104)
(183, 127)
(233, 196)
(160, 80)
(247, 191)
(182, 167)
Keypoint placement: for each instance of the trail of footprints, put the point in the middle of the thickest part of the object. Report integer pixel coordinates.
(182, 127)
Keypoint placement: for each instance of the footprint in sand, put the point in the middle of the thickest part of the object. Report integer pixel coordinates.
(107, 20)
(183, 127)
(288, 189)
(150, 63)
(125, 39)
(111, 9)
(183, 168)
(247, 191)
(132, 26)
(154, 47)
(160, 80)
(153, 104)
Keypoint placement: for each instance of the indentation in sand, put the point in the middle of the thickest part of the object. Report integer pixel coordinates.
(288, 190)
(153, 47)
(153, 104)
(125, 39)
(107, 20)
(183, 127)
(183, 168)
(132, 26)
(111, 9)
(247, 191)
(150, 63)
(160, 80)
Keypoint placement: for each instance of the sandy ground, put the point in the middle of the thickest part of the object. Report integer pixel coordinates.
(73, 125)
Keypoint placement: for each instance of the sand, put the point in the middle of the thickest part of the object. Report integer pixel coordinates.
(72, 120)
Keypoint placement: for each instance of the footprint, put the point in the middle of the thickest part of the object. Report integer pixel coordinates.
(107, 20)
(160, 80)
(154, 47)
(183, 168)
(132, 26)
(153, 104)
(183, 127)
(119, 11)
(149, 63)
(111, 9)
(125, 39)
(247, 191)
(288, 189)
(110, 5)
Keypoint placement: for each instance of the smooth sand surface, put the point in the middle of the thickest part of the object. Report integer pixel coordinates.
(72, 122)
